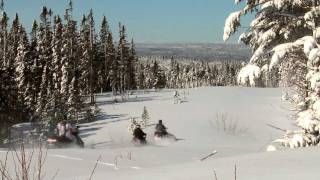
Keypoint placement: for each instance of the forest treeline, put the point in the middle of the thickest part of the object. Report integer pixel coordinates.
(54, 71)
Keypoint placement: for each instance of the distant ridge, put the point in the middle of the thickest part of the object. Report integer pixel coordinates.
(203, 51)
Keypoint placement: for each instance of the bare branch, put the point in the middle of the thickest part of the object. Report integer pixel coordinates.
(95, 166)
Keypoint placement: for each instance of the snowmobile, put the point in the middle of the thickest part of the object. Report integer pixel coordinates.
(162, 133)
(159, 136)
(139, 137)
(64, 142)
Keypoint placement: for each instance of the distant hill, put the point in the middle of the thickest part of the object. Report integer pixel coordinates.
(196, 51)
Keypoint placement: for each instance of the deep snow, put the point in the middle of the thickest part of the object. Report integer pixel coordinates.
(195, 122)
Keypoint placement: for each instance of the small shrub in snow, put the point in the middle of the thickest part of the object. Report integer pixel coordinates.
(224, 124)
(97, 110)
(285, 96)
(27, 165)
(176, 97)
(248, 75)
(271, 148)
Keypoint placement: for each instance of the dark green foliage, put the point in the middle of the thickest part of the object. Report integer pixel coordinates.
(54, 73)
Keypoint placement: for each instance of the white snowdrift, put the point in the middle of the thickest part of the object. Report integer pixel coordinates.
(195, 124)
(249, 74)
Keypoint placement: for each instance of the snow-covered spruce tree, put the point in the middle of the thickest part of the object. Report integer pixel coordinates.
(13, 41)
(10, 106)
(132, 66)
(92, 53)
(85, 56)
(275, 23)
(35, 68)
(140, 77)
(61, 64)
(64, 91)
(22, 70)
(104, 63)
(87, 39)
(148, 78)
(113, 74)
(74, 100)
(285, 33)
(71, 67)
(4, 39)
(155, 75)
(57, 43)
(44, 103)
(124, 60)
(144, 117)
(72, 103)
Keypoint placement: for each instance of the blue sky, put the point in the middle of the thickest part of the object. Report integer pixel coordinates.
(157, 21)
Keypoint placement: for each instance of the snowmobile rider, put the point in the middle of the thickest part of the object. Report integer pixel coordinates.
(139, 134)
(61, 129)
(161, 130)
(75, 134)
(66, 130)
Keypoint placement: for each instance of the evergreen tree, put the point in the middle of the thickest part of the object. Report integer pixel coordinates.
(91, 55)
(285, 34)
(22, 70)
(155, 70)
(74, 101)
(132, 65)
(113, 74)
(57, 45)
(50, 73)
(87, 60)
(4, 40)
(35, 66)
(13, 41)
(141, 77)
(104, 63)
(144, 117)
(85, 56)
(45, 59)
(124, 60)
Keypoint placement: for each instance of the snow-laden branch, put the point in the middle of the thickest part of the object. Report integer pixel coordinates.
(307, 42)
(237, 1)
(231, 24)
(249, 74)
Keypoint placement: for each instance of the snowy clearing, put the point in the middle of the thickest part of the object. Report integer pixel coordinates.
(231, 121)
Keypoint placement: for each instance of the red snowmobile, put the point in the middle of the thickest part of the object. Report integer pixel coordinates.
(64, 142)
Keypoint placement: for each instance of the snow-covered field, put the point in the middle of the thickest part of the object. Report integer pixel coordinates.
(198, 122)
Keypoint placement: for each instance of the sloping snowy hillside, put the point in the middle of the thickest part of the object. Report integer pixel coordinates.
(231, 121)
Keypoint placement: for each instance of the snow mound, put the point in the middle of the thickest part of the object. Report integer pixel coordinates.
(249, 74)
(271, 148)
(165, 141)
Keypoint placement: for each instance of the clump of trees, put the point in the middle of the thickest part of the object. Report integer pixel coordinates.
(285, 35)
(53, 72)
(163, 72)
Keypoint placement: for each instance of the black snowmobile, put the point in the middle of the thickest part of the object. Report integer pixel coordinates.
(139, 137)
(162, 133)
